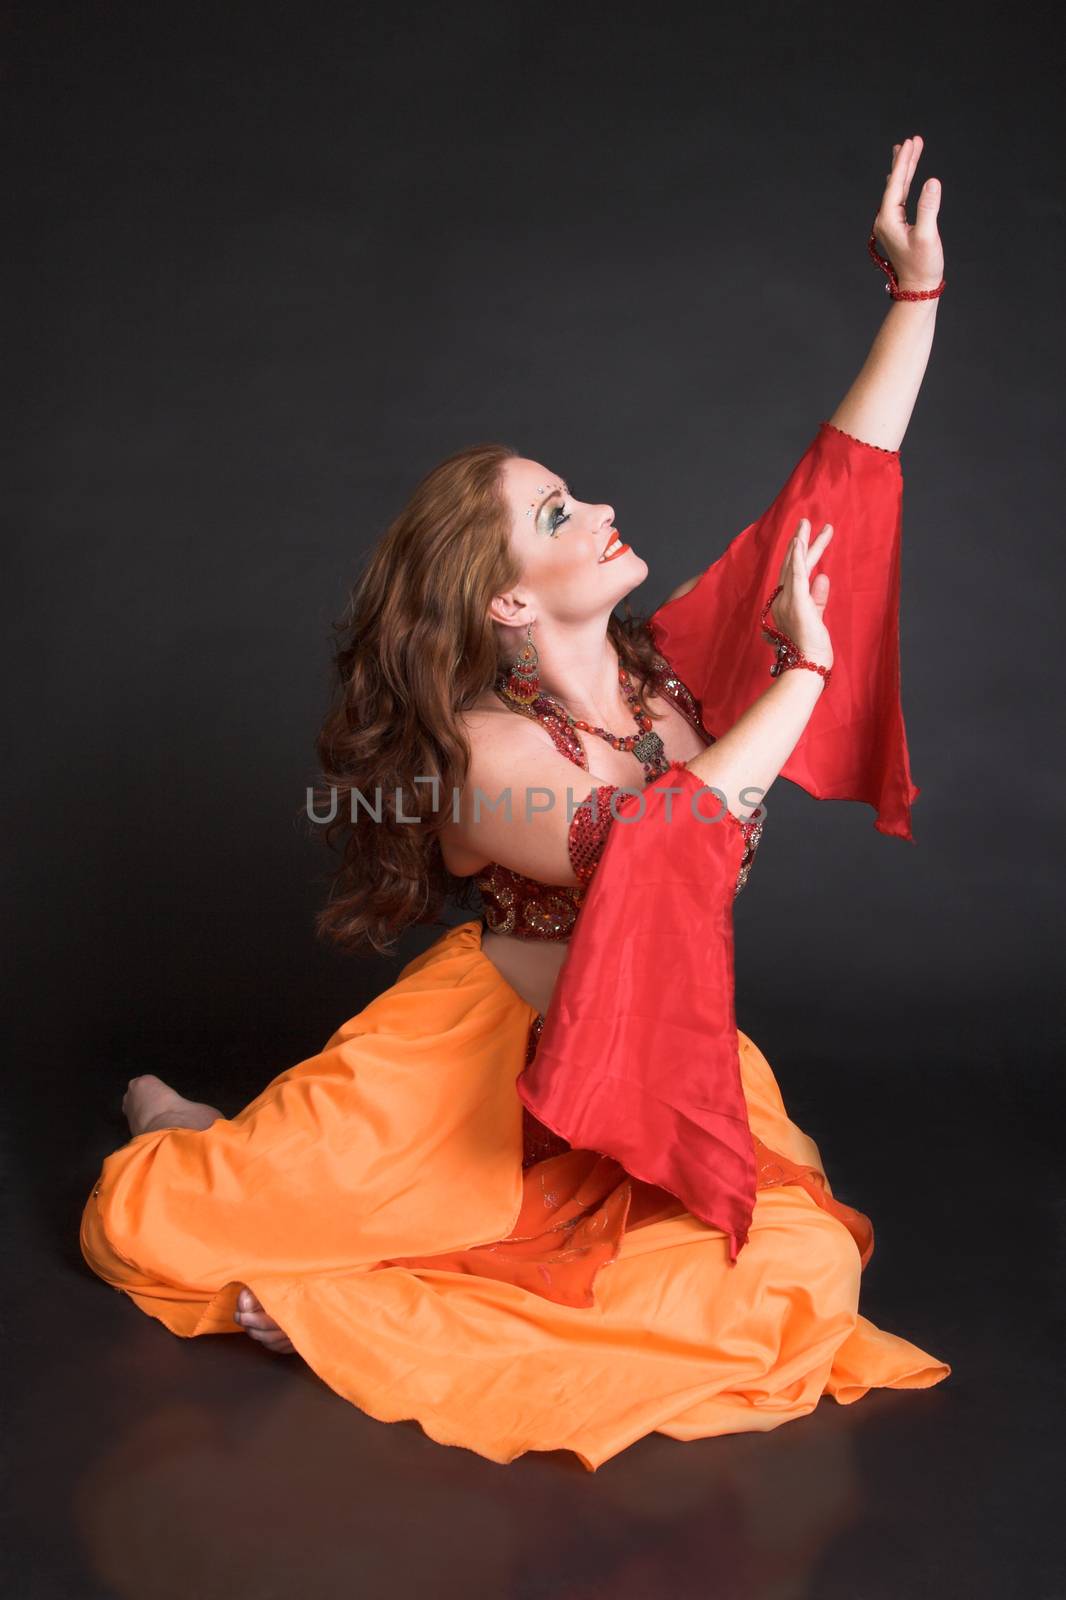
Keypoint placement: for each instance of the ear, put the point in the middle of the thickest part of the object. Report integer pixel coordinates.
(511, 611)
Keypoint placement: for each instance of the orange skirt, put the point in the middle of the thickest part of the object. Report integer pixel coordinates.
(374, 1199)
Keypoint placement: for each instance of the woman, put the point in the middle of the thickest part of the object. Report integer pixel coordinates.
(541, 1193)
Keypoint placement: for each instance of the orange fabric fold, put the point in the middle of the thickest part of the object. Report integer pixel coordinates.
(576, 1208)
(355, 1196)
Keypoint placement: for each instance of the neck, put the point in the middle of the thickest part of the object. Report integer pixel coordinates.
(578, 667)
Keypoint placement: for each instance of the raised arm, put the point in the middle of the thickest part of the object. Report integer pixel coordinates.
(850, 475)
(878, 406)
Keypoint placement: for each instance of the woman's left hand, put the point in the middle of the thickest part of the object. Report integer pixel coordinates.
(915, 251)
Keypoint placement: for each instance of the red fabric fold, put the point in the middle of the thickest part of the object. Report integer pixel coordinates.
(638, 1058)
(854, 747)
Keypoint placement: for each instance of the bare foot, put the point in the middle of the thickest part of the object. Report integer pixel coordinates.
(254, 1320)
(149, 1103)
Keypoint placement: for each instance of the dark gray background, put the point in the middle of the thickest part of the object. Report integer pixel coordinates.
(266, 267)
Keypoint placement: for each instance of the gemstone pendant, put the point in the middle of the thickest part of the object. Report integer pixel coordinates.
(649, 747)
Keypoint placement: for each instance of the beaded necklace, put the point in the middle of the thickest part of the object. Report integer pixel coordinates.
(645, 744)
(521, 687)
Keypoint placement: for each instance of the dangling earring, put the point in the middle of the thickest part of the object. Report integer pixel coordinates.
(521, 683)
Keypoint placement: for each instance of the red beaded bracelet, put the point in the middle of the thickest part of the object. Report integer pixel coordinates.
(892, 286)
(788, 652)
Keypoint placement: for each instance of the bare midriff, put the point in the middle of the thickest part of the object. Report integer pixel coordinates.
(530, 966)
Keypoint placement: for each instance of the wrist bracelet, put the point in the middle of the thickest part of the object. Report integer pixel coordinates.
(892, 286)
(788, 651)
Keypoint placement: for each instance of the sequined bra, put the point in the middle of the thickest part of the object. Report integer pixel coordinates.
(527, 909)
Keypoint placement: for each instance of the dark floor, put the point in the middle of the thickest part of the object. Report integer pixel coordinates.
(148, 1466)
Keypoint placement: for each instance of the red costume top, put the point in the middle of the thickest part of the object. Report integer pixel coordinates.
(523, 907)
(636, 1069)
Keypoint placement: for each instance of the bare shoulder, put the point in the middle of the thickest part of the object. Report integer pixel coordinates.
(497, 736)
(488, 721)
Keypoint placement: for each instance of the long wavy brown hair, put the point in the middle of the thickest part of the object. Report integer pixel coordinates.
(415, 648)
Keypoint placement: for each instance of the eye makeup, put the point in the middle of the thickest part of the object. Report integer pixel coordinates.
(554, 521)
(557, 521)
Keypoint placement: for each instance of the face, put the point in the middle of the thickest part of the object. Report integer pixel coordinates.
(560, 542)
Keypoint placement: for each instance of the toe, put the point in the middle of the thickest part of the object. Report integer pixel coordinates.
(258, 1322)
(277, 1343)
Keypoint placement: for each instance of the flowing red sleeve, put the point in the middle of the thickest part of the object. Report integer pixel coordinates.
(638, 1058)
(855, 746)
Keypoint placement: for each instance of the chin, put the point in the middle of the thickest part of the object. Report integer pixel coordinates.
(632, 570)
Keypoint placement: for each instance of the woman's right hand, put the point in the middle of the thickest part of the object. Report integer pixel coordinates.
(798, 609)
